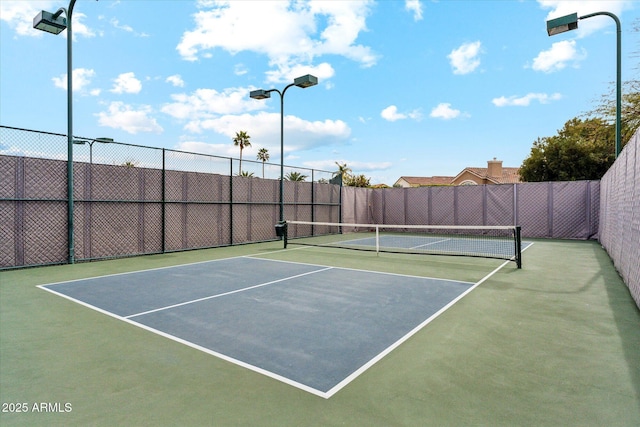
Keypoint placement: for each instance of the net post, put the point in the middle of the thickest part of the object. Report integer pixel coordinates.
(518, 247)
(285, 234)
(281, 231)
(377, 239)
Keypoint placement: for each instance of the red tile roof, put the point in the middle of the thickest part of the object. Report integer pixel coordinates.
(509, 175)
(427, 180)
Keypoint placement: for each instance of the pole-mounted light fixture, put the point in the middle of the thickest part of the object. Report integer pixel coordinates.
(303, 82)
(570, 22)
(101, 140)
(562, 24)
(55, 23)
(52, 23)
(260, 94)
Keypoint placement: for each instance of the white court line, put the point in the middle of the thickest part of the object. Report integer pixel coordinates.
(432, 243)
(259, 256)
(226, 293)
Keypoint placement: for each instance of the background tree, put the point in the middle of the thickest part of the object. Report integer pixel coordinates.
(295, 176)
(630, 113)
(263, 156)
(343, 171)
(241, 140)
(358, 181)
(351, 180)
(585, 148)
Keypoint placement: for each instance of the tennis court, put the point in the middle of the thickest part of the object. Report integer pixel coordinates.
(258, 335)
(311, 326)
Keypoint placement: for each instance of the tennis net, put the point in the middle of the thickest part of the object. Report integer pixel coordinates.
(501, 242)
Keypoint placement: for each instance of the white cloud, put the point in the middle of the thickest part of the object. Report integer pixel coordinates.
(18, 15)
(175, 80)
(240, 70)
(464, 59)
(123, 27)
(264, 129)
(391, 114)
(122, 116)
(207, 110)
(445, 112)
(414, 6)
(558, 56)
(525, 101)
(127, 28)
(207, 103)
(356, 166)
(227, 150)
(81, 79)
(127, 83)
(79, 27)
(294, 33)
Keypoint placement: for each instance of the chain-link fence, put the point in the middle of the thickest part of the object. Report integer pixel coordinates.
(620, 213)
(132, 200)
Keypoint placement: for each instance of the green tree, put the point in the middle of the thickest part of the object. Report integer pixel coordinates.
(263, 156)
(295, 176)
(242, 140)
(583, 149)
(358, 181)
(246, 173)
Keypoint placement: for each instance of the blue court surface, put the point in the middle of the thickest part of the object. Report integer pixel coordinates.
(313, 327)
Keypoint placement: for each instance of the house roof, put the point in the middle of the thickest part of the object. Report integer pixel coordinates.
(509, 175)
(427, 180)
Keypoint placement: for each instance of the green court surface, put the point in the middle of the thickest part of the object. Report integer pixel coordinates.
(556, 343)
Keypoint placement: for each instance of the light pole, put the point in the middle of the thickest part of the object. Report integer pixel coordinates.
(570, 22)
(55, 24)
(303, 82)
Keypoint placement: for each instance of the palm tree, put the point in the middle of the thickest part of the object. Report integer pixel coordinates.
(295, 176)
(242, 140)
(343, 171)
(263, 155)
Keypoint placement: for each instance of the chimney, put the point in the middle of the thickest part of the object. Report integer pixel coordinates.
(494, 168)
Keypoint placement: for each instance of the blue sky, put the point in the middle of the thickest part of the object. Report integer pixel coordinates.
(406, 88)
